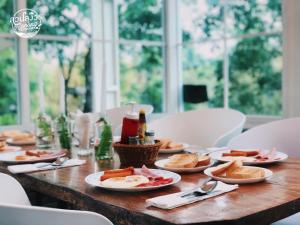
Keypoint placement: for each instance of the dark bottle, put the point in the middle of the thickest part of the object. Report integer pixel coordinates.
(142, 126)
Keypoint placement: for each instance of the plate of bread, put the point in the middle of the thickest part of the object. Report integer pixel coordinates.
(133, 179)
(185, 163)
(169, 146)
(250, 156)
(21, 139)
(234, 172)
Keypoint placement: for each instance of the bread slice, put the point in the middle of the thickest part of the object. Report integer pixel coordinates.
(221, 169)
(245, 173)
(182, 161)
(203, 161)
(165, 143)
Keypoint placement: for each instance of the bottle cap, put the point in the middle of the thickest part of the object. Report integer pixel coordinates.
(132, 114)
(149, 133)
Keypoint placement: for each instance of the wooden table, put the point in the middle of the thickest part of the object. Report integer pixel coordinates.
(261, 203)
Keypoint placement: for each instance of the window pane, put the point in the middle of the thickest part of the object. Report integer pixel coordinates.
(201, 19)
(203, 65)
(140, 20)
(255, 75)
(47, 61)
(141, 75)
(6, 11)
(8, 84)
(64, 17)
(253, 16)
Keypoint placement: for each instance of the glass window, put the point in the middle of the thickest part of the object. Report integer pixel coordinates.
(140, 20)
(141, 75)
(9, 82)
(6, 11)
(202, 65)
(70, 18)
(48, 60)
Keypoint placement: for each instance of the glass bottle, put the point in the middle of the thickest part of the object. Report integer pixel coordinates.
(142, 126)
(104, 150)
(130, 126)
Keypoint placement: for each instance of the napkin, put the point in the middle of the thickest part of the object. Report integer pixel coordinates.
(175, 200)
(26, 168)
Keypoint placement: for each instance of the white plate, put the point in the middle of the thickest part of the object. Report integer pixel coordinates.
(9, 157)
(161, 164)
(280, 156)
(174, 150)
(268, 174)
(8, 148)
(94, 180)
(10, 141)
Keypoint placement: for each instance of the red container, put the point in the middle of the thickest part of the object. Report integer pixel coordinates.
(129, 128)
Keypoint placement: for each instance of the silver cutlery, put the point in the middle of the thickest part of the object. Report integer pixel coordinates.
(58, 162)
(204, 189)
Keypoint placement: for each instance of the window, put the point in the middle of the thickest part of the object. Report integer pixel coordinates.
(234, 47)
(112, 52)
(141, 52)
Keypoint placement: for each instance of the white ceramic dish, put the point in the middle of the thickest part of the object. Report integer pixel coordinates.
(94, 180)
(10, 157)
(268, 174)
(174, 150)
(9, 148)
(161, 164)
(280, 156)
(10, 141)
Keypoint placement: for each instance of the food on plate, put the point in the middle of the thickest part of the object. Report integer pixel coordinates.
(187, 161)
(250, 155)
(33, 155)
(236, 170)
(117, 173)
(246, 153)
(169, 144)
(2, 145)
(130, 177)
(125, 182)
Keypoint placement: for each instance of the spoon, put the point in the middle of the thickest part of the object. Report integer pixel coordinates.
(204, 189)
(58, 162)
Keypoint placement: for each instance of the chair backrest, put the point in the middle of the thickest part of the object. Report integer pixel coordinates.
(281, 134)
(11, 191)
(32, 215)
(115, 115)
(203, 127)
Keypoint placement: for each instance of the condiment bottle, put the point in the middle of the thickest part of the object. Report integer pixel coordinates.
(142, 126)
(130, 126)
(149, 137)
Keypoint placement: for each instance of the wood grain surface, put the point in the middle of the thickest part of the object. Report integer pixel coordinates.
(261, 203)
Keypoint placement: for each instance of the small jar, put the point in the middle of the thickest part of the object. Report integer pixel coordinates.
(149, 137)
(133, 140)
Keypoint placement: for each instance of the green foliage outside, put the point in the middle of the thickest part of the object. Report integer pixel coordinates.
(255, 64)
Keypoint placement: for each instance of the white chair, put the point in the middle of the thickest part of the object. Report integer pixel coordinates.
(32, 215)
(115, 115)
(15, 209)
(282, 134)
(203, 127)
(11, 191)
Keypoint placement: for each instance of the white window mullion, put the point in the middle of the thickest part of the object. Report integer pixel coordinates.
(225, 59)
(24, 88)
(172, 58)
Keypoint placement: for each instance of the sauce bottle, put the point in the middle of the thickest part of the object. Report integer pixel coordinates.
(130, 126)
(142, 126)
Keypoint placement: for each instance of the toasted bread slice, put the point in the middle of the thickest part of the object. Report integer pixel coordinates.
(165, 143)
(221, 169)
(174, 145)
(245, 173)
(203, 161)
(182, 161)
